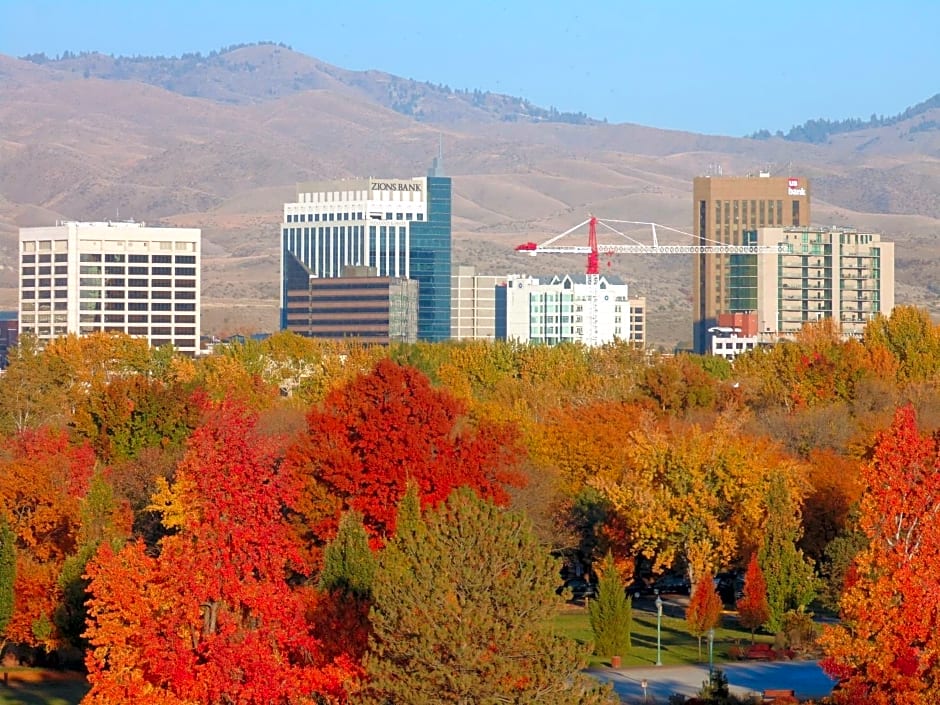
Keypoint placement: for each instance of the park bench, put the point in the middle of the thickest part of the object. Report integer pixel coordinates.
(760, 652)
(779, 696)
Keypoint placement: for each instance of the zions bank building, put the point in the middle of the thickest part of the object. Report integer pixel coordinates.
(397, 230)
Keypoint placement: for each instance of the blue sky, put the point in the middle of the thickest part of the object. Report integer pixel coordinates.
(713, 67)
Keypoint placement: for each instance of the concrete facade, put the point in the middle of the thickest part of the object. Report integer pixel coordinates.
(473, 304)
(111, 276)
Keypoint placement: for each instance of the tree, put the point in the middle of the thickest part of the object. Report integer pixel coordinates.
(884, 650)
(383, 430)
(791, 581)
(340, 613)
(611, 613)
(462, 613)
(753, 610)
(911, 337)
(212, 617)
(704, 610)
(7, 574)
(690, 494)
(42, 482)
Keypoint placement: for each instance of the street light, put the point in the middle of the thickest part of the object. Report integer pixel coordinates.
(659, 629)
(644, 684)
(711, 651)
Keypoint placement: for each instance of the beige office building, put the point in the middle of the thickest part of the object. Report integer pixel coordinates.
(473, 304)
(729, 210)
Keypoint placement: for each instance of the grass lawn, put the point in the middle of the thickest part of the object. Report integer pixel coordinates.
(678, 647)
(29, 686)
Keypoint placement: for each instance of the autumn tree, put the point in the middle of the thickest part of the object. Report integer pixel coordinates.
(753, 610)
(212, 617)
(791, 580)
(704, 610)
(689, 494)
(42, 481)
(463, 612)
(885, 649)
(911, 338)
(383, 430)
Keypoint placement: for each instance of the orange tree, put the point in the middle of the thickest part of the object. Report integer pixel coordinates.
(887, 648)
(753, 609)
(212, 618)
(42, 482)
(704, 610)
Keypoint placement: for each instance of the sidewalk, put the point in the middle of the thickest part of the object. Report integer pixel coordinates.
(806, 678)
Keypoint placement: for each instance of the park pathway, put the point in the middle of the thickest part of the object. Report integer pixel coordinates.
(806, 678)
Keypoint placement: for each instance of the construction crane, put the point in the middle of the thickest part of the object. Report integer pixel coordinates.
(593, 250)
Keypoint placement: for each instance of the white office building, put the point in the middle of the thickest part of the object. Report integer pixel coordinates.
(567, 309)
(111, 276)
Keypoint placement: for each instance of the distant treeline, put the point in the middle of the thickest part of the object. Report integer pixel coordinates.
(819, 130)
(67, 55)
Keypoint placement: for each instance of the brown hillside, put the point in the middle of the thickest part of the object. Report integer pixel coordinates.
(219, 142)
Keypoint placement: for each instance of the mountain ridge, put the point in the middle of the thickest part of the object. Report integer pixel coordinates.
(98, 148)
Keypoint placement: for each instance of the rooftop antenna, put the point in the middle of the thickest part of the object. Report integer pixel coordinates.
(437, 165)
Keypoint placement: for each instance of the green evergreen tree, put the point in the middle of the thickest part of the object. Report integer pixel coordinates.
(98, 509)
(408, 520)
(348, 563)
(791, 580)
(611, 614)
(463, 609)
(7, 574)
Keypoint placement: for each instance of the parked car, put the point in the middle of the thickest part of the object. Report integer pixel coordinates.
(579, 588)
(672, 585)
(727, 585)
(638, 588)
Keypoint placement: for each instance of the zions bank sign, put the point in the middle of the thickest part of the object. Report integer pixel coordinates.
(395, 186)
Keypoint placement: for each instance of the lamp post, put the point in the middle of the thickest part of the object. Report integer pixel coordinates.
(644, 684)
(711, 651)
(659, 629)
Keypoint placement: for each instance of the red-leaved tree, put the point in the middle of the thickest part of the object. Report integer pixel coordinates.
(42, 481)
(704, 610)
(753, 609)
(372, 436)
(212, 618)
(886, 650)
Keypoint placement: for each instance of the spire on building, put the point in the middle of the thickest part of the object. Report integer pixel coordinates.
(437, 165)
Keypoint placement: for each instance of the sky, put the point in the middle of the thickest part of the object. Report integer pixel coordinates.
(718, 67)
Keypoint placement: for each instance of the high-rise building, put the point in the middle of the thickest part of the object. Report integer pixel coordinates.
(834, 273)
(121, 276)
(728, 210)
(568, 309)
(399, 227)
(473, 304)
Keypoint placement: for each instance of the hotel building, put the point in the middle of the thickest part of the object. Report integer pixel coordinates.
(729, 210)
(564, 309)
(400, 228)
(122, 276)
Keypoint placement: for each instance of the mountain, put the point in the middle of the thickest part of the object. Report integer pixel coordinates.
(219, 142)
(250, 73)
(820, 129)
